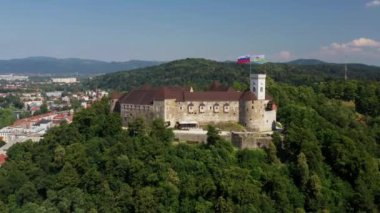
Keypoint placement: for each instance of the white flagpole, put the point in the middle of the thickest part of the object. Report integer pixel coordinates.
(250, 70)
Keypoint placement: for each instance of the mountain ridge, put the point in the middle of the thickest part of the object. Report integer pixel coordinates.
(304, 61)
(57, 66)
(200, 73)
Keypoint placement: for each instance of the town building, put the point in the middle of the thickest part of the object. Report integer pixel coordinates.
(64, 80)
(3, 159)
(12, 77)
(34, 127)
(54, 94)
(184, 107)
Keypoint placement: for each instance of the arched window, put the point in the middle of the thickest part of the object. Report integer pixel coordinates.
(226, 108)
(216, 107)
(202, 108)
(190, 108)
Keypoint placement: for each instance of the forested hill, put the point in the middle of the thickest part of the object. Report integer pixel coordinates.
(67, 66)
(199, 73)
(328, 161)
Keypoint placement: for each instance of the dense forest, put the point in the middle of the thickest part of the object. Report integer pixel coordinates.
(327, 159)
(200, 72)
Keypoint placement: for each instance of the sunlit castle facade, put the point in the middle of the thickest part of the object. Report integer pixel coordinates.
(182, 105)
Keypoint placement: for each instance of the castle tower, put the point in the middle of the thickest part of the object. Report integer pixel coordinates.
(258, 85)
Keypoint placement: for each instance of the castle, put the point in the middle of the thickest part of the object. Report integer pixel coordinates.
(184, 107)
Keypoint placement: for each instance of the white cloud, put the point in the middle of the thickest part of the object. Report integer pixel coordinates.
(364, 42)
(285, 55)
(373, 3)
(354, 46)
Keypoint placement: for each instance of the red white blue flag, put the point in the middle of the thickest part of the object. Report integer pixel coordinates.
(244, 59)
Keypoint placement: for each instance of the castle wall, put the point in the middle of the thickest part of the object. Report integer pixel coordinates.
(269, 120)
(250, 140)
(245, 109)
(251, 114)
(228, 111)
(197, 135)
(148, 112)
(255, 117)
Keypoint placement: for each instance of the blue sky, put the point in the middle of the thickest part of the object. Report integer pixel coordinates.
(120, 30)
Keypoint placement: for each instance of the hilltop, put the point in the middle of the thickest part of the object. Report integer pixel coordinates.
(326, 161)
(67, 66)
(200, 72)
(306, 62)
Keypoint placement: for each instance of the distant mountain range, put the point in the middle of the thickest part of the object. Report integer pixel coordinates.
(67, 66)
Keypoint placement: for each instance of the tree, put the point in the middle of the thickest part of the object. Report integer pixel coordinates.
(145, 200)
(212, 135)
(302, 170)
(67, 177)
(137, 127)
(6, 117)
(160, 131)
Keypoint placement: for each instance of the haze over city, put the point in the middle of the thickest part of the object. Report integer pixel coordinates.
(333, 31)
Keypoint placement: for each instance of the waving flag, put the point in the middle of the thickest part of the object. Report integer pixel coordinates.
(244, 59)
(259, 59)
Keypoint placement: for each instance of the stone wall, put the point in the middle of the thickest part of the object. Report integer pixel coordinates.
(255, 117)
(207, 112)
(250, 140)
(129, 112)
(251, 114)
(196, 135)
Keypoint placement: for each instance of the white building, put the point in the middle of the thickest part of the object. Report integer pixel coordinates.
(184, 107)
(64, 80)
(12, 77)
(56, 94)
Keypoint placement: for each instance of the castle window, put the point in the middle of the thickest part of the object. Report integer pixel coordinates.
(180, 108)
(202, 108)
(216, 108)
(226, 108)
(190, 108)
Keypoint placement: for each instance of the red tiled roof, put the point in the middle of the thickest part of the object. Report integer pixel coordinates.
(59, 117)
(30, 120)
(248, 96)
(212, 96)
(3, 158)
(146, 95)
(116, 95)
(35, 108)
